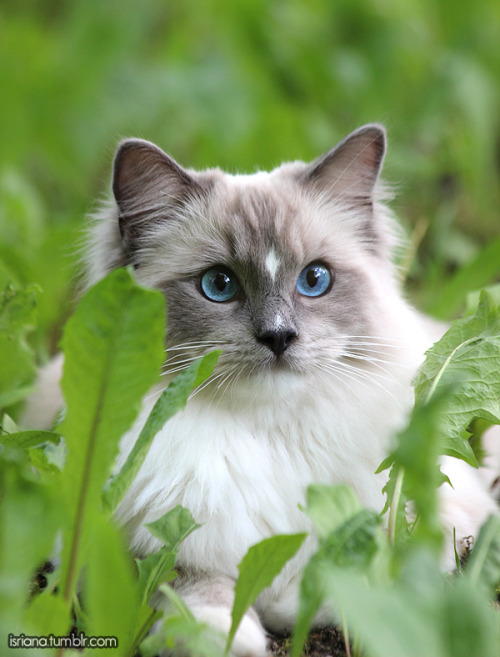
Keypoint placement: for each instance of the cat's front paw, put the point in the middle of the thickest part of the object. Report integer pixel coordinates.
(250, 639)
(210, 600)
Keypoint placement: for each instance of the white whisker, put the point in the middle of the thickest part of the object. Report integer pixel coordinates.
(361, 376)
(377, 362)
(194, 344)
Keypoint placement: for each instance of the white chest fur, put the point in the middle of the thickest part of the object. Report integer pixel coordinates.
(241, 465)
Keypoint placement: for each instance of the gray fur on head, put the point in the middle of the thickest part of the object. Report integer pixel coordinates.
(151, 191)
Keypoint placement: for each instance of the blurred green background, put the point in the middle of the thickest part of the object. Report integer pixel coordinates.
(246, 84)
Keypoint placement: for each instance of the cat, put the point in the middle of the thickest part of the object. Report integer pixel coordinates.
(290, 273)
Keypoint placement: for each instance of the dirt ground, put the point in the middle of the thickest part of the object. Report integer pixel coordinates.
(321, 643)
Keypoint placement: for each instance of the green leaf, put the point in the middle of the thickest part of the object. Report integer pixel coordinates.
(172, 400)
(113, 348)
(422, 613)
(468, 623)
(330, 506)
(152, 645)
(388, 621)
(415, 474)
(354, 543)
(257, 570)
(26, 439)
(348, 539)
(11, 397)
(312, 595)
(191, 637)
(153, 569)
(472, 299)
(483, 565)
(468, 358)
(17, 316)
(173, 527)
(47, 614)
(29, 519)
(111, 593)
(177, 602)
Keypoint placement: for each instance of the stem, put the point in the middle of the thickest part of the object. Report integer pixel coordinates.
(72, 572)
(141, 632)
(393, 513)
(80, 508)
(345, 634)
(438, 376)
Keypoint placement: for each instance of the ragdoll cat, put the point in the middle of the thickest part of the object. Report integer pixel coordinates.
(289, 273)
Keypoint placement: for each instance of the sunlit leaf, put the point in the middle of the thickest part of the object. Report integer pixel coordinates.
(257, 571)
(468, 358)
(113, 351)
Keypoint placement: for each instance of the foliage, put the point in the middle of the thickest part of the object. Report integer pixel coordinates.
(241, 85)
(386, 588)
(113, 348)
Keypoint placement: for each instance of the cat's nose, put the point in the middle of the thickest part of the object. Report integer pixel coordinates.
(277, 340)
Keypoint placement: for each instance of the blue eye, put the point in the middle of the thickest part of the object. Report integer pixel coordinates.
(219, 284)
(314, 280)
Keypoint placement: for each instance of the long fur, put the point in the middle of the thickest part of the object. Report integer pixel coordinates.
(251, 439)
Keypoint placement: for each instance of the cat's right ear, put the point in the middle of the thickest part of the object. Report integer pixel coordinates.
(351, 169)
(147, 185)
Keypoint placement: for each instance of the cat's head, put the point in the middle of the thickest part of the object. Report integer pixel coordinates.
(286, 271)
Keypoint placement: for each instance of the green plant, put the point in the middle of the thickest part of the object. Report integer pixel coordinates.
(385, 588)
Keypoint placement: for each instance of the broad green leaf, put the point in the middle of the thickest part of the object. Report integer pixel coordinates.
(312, 595)
(483, 565)
(257, 571)
(354, 543)
(11, 397)
(173, 527)
(111, 594)
(39, 459)
(421, 614)
(29, 519)
(415, 474)
(172, 400)
(348, 539)
(153, 569)
(8, 426)
(468, 623)
(388, 621)
(472, 299)
(113, 348)
(47, 614)
(17, 315)
(26, 439)
(330, 506)
(468, 358)
(152, 645)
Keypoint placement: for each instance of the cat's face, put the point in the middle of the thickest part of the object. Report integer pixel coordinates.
(285, 272)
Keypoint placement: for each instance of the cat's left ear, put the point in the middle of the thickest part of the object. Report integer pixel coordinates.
(148, 185)
(351, 169)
